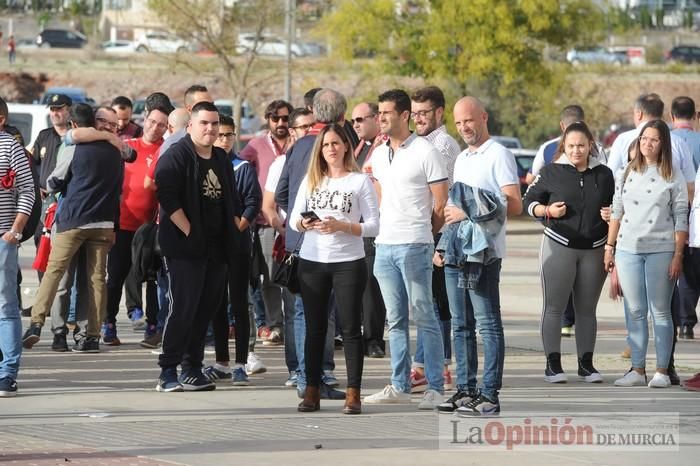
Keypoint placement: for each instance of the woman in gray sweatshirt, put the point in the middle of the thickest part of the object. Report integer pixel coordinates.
(648, 229)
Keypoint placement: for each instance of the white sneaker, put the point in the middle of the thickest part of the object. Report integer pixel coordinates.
(431, 400)
(631, 379)
(254, 365)
(388, 395)
(660, 381)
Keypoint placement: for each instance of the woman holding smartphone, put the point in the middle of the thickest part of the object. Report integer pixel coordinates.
(648, 231)
(339, 206)
(568, 195)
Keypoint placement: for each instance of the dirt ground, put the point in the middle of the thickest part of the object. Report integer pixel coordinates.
(606, 94)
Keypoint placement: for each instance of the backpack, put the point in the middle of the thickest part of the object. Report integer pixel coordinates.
(145, 252)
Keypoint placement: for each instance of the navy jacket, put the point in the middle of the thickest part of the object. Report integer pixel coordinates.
(94, 184)
(293, 172)
(250, 195)
(177, 181)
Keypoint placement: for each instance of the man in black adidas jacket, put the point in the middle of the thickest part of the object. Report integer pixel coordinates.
(198, 235)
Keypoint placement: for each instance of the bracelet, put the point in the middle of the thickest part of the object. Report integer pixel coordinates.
(350, 228)
(547, 214)
(301, 225)
(611, 245)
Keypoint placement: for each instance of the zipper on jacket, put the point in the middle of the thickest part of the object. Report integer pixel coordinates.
(583, 201)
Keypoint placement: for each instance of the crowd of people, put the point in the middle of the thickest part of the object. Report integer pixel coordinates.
(324, 229)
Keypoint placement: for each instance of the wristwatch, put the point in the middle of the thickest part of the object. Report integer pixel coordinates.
(17, 235)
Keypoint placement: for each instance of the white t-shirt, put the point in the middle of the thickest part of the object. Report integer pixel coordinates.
(346, 199)
(273, 178)
(405, 179)
(491, 167)
(681, 153)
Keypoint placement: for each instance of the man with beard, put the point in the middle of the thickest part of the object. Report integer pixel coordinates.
(138, 206)
(261, 152)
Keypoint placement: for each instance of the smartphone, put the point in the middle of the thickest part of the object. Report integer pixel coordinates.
(310, 215)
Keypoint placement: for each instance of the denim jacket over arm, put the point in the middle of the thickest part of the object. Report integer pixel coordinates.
(472, 240)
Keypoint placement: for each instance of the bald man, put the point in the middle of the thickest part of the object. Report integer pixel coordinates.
(487, 165)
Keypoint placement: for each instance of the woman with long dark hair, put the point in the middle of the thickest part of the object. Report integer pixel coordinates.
(568, 195)
(336, 206)
(648, 230)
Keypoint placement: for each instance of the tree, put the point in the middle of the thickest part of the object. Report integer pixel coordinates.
(494, 47)
(215, 25)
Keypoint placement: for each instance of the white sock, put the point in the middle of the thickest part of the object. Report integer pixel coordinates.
(222, 368)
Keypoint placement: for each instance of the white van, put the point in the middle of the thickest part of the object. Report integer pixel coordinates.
(29, 119)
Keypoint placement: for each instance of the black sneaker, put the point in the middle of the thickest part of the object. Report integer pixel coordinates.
(8, 387)
(87, 345)
(455, 401)
(479, 406)
(196, 381)
(167, 382)
(673, 376)
(553, 373)
(31, 336)
(586, 371)
(59, 342)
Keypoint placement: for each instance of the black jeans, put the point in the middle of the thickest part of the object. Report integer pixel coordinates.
(347, 280)
(238, 298)
(373, 310)
(118, 267)
(196, 289)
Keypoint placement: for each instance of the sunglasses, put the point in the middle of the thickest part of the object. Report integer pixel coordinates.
(303, 127)
(276, 118)
(359, 120)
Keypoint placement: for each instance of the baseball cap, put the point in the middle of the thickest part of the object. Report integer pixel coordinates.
(59, 100)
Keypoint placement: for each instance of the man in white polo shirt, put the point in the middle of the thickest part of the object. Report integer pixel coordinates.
(487, 165)
(412, 182)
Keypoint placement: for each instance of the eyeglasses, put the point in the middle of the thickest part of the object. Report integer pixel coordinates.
(422, 113)
(226, 135)
(276, 118)
(359, 120)
(304, 127)
(106, 122)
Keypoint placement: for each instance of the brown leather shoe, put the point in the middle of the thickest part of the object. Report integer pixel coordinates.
(311, 401)
(353, 405)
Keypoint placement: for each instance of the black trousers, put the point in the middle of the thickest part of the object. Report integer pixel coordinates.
(373, 310)
(118, 267)
(347, 280)
(238, 299)
(196, 289)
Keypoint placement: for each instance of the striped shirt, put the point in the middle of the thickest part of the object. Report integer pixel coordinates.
(448, 148)
(16, 182)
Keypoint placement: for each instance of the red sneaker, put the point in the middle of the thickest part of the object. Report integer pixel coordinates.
(264, 333)
(693, 379)
(418, 382)
(692, 385)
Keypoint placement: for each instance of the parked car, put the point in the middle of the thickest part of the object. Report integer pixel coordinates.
(268, 45)
(683, 54)
(119, 46)
(29, 120)
(162, 42)
(595, 55)
(509, 142)
(60, 38)
(76, 94)
(250, 123)
(523, 159)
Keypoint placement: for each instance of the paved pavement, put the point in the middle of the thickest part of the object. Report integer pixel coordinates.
(101, 408)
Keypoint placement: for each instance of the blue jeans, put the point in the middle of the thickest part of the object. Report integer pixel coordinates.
(445, 325)
(646, 287)
(10, 321)
(464, 332)
(300, 339)
(259, 306)
(404, 273)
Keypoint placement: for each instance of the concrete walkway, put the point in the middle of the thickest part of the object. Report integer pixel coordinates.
(102, 408)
